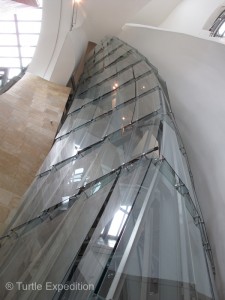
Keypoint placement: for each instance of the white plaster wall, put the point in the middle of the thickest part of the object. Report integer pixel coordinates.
(47, 39)
(155, 12)
(190, 16)
(69, 57)
(59, 49)
(104, 17)
(194, 70)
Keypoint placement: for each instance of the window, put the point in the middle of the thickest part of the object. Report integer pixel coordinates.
(19, 33)
(218, 27)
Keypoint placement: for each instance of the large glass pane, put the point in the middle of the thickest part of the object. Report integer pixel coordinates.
(28, 39)
(105, 104)
(171, 151)
(8, 40)
(146, 105)
(9, 52)
(68, 124)
(141, 68)
(29, 27)
(144, 137)
(54, 155)
(26, 62)
(127, 61)
(146, 83)
(9, 62)
(76, 141)
(8, 27)
(79, 101)
(23, 15)
(27, 51)
(121, 117)
(13, 72)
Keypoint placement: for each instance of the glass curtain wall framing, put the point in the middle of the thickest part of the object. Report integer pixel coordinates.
(112, 213)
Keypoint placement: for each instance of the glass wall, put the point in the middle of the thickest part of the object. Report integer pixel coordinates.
(112, 213)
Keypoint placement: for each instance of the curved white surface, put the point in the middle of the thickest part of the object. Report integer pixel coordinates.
(59, 48)
(194, 70)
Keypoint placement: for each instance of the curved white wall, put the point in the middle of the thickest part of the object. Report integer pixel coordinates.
(190, 16)
(59, 49)
(194, 70)
(155, 12)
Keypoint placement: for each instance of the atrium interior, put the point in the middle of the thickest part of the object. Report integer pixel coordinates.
(112, 159)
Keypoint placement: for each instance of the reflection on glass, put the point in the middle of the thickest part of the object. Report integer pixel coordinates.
(119, 220)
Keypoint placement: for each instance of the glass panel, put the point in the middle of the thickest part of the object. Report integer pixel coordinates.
(8, 27)
(107, 73)
(68, 124)
(6, 17)
(14, 72)
(221, 30)
(29, 27)
(54, 155)
(125, 76)
(84, 115)
(27, 51)
(79, 102)
(146, 83)
(23, 15)
(144, 137)
(198, 257)
(23, 212)
(114, 56)
(8, 40)
(69, 145)
(105, 104)
(141, 68)
(121, 117)
(26, 62)
(9, 62)
(78, 118)
(125, 93)
(127, 61)
(28, 39)
(9, 52)
(171, 151)
(146, 105)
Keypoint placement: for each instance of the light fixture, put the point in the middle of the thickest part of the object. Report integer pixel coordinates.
(115, 86)
(74, 13)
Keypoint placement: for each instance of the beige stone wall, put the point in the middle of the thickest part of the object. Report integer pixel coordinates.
(29, 116)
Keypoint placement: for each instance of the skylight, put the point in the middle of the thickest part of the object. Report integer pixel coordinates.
(19, 33)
